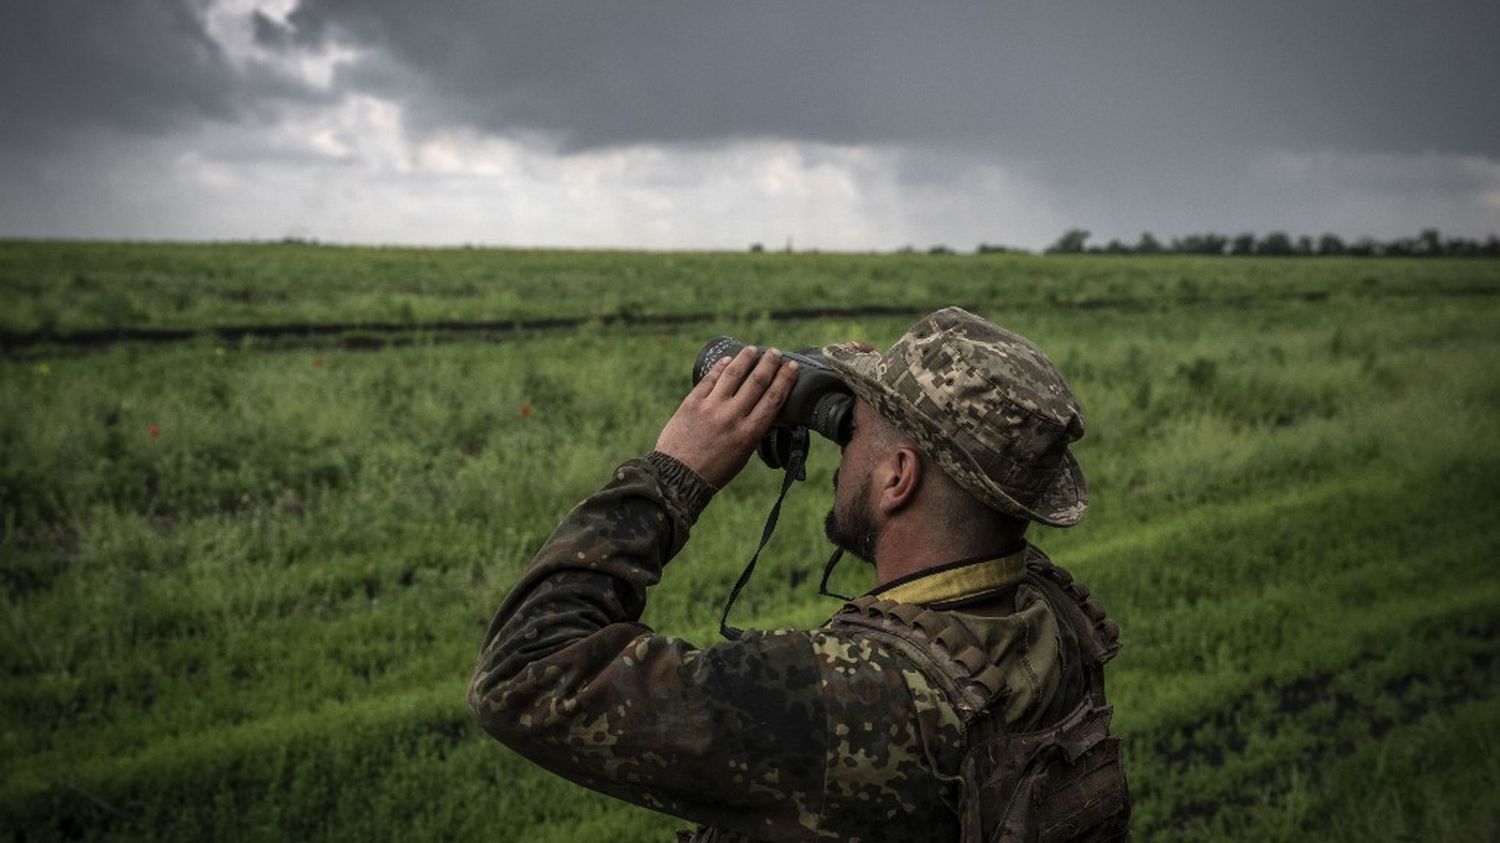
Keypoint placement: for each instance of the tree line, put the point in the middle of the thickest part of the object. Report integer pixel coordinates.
(1428, 244)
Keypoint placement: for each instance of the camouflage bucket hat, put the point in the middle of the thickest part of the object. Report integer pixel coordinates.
(985, 403)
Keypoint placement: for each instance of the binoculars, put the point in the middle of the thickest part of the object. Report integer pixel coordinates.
(820, 401)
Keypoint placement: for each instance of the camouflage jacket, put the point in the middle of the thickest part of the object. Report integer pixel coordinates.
(781, 735)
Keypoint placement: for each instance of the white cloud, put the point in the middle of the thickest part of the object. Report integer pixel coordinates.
(231, 25)
(352, 172)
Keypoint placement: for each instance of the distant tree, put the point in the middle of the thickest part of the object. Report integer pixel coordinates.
(757, 248)
(1071, 243)
(1201, 244)
(939, 249)
(1275, 244)
(993, 249)
(1429, 243)
(1461, 247)
(1403, 247)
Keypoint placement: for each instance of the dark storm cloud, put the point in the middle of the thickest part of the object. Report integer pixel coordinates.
(994, 121)
(1059, 80)
(141, 67)
(137, 66)
(271, 33)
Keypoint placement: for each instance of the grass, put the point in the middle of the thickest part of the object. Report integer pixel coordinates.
(244, 584)
(50, 288)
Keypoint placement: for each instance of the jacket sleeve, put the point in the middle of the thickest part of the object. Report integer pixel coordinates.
(732, 736)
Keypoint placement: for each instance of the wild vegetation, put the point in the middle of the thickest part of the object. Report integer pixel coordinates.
(1429, 243)
(244, 582)
(55, 291)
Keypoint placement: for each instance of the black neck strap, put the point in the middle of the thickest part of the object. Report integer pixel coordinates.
(832, 563)
(796, 469)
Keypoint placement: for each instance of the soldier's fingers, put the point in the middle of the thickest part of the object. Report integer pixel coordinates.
(776, 394)
(734, 373)
(705, 384)
(757, 381)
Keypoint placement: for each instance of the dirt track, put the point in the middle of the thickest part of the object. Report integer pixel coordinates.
(380, 334)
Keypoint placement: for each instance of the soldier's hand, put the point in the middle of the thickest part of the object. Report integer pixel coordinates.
(718, 425)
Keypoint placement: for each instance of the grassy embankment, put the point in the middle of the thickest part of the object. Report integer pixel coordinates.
(258, 622)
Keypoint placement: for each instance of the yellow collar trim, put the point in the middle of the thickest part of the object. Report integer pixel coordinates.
(962, 581)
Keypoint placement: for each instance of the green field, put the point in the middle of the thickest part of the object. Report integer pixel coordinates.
(245, 582)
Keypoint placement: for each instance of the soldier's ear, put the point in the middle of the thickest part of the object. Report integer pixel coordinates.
(901, 480)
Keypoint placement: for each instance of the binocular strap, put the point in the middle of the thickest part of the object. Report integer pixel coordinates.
(795, 470)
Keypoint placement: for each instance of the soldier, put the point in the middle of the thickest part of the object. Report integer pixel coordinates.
(961, 699)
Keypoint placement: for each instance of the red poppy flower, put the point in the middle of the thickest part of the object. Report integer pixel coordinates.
(317, 362)
(525, 410)
(153, 430)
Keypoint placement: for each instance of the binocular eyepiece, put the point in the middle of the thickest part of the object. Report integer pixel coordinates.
(820, 401)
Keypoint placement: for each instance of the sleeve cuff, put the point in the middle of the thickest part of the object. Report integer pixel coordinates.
(690, 493)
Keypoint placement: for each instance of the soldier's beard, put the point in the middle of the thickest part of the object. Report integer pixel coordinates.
(853, 531)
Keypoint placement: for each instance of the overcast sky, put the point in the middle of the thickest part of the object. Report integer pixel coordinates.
(837, 125)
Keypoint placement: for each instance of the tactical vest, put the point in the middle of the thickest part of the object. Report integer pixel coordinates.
(1061, 782)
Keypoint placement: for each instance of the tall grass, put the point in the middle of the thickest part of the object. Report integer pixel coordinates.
(51, 287)
(244, 586)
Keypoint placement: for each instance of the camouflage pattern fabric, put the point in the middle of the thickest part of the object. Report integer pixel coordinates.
(987, 404)
(781, 735)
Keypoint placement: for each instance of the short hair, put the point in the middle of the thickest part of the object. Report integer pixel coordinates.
(960, 511)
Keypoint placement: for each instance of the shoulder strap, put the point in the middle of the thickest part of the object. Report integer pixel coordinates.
(954, 657)
(946, 650)
(1098, 634)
